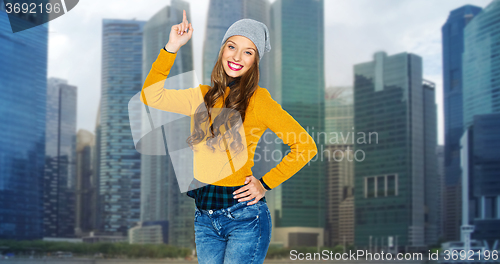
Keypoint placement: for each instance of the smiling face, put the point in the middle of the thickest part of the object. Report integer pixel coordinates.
(238, 56)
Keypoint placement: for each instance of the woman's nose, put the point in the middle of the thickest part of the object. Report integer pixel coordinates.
(236, 57)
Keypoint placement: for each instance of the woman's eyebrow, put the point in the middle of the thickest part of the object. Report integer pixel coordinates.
(237, 45)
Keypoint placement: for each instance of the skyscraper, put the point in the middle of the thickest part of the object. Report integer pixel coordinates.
(161, 199)
(299, 86)
(481, 63)
(96, 158)
(431, 179)
(480, 166)
(481, 100)
(85, 183)
(60, 160)
(339, 128)
(391, 126)
(120, 163)
(453, 47)
(23, 84)
(440, 174)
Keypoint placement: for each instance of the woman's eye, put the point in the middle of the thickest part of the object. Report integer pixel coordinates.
(231, 46)
(249, 53)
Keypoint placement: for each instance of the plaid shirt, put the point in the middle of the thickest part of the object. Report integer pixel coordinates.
(214, 197)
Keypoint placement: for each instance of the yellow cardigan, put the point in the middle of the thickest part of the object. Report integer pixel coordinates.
(262, 112)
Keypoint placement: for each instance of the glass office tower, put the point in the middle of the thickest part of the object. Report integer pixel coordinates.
(23, 86)
(120, 163)
(85, 184)
(389, 121)
(339, 128)
(299, 86)
(432, 182)
(481, 64)
(161, 199)
(453, 47)
(60, 160)
(482, 165)
(481, 99)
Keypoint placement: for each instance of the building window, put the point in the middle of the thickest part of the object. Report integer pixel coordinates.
(490, 207)
(381, 186)
(370, 187)
(455, 79)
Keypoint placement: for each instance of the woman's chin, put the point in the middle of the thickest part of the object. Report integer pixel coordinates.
(233, 75)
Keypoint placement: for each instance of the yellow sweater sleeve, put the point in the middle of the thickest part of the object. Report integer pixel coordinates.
(155, 95)
(302, 146)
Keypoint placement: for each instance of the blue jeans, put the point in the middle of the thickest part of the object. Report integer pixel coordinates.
(233, 235)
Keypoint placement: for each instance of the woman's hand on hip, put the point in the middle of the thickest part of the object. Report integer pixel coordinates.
(180, 34)
(254, 189)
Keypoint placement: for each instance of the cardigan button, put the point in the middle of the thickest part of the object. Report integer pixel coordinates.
(210, 211)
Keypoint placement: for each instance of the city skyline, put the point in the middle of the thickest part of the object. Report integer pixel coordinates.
(396, 93)
(77, 36)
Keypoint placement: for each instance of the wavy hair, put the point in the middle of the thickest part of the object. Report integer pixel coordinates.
(233, 107)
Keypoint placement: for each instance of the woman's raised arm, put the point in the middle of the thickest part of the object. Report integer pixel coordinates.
(153, 93)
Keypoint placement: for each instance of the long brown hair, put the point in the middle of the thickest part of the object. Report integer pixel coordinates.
(233, 107)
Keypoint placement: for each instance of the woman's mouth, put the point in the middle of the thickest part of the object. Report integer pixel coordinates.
(233, 66)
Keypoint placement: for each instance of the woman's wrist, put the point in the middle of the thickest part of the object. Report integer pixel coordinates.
(171, 48)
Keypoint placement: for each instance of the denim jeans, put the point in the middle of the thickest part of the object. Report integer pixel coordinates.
(238, 234)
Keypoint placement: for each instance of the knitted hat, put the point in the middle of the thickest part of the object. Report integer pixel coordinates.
(254, 30)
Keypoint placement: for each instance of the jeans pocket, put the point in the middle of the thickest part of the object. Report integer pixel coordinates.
(197, 214)
(246, 213)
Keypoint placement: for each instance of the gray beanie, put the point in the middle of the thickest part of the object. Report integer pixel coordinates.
(254, 30)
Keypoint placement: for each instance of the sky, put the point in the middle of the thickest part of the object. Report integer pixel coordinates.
(354, 31)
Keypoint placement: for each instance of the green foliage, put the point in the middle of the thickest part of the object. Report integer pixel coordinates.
(108, 250)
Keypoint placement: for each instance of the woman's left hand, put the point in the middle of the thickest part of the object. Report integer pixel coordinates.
(253, 189)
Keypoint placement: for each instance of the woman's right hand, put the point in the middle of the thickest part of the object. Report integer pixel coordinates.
(178, 35)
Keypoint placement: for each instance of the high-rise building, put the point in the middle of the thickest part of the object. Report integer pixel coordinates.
(480, 166)
(431, 180)
(299, 86)
(390, 127)
(96, 157)
(119, 161)
(481, 63)
(339, 128)
(23, 84)
(440, 189)
(481, 101)
(453, 47)
(60, 160)
(85, 184)
(161, 199)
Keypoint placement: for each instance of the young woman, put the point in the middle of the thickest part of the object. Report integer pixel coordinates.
(232, 221)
